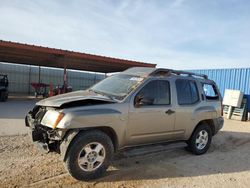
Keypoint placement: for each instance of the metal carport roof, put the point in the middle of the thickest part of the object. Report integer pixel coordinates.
(19, 53)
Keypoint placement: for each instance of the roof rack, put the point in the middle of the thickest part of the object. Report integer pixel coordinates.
(177, 72)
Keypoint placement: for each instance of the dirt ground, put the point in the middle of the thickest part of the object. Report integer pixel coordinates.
(227, 164)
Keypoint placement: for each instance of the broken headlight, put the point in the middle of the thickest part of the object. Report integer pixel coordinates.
(52, 118)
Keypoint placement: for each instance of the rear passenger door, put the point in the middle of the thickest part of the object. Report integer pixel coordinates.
(187, 100)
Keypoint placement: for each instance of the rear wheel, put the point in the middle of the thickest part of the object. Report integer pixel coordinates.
(89, 155)
(200, 140)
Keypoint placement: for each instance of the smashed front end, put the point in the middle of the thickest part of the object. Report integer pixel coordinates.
(44, 137)
(51, 118)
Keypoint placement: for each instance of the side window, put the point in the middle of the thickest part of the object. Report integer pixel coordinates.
(187, 92)
(210, 92)
(156, 92)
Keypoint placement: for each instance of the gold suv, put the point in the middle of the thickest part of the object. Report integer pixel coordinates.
(136, 107)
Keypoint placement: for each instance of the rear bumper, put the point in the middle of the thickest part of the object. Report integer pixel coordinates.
(218, 124)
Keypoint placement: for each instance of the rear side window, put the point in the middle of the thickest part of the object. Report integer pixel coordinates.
(187, 92)
(210, 92)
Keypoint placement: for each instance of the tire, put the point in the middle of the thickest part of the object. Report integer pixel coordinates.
(200, 140)
(6, 96)
(95, 149)
(3, 96)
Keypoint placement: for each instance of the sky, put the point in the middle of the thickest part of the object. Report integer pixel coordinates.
(179, 34)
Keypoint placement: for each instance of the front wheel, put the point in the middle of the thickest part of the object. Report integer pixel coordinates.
(200, 140)
(89, 155)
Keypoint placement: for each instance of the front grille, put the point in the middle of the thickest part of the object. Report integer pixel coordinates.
(37, 113)
(40, 133)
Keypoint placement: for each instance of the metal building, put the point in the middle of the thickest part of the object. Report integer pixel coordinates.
(237, 79)
(21, 77)
(28, 57)
(13, 52)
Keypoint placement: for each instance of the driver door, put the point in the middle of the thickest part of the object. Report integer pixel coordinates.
(151, 114)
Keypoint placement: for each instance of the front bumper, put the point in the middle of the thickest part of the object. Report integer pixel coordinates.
(46, 139)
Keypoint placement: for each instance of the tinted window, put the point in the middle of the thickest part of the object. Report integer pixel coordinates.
(156, 93)
(210, 92)
(187, 92)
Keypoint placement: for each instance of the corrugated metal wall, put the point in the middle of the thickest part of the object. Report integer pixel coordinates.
(20, 77)
(238, 79)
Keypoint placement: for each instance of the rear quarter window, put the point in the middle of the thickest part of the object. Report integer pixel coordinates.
(210, 91)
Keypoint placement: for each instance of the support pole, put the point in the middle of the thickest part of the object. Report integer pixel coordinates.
(229, 113)
(65, 84)
(39, 75)
(29, 78)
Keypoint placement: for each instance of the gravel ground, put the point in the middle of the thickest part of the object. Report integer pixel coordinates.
(226, 164)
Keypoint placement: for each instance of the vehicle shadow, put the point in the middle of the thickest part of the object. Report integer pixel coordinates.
(228, 153)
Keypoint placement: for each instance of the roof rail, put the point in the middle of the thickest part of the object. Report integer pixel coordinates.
(177, 72)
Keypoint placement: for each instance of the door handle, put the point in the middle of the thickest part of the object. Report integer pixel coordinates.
(169, 112)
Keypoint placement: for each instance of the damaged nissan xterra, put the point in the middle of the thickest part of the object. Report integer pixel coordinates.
(136, 107)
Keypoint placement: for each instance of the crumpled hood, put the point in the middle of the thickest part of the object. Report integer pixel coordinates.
(59, 100)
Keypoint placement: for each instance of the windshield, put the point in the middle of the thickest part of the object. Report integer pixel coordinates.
(118, 86)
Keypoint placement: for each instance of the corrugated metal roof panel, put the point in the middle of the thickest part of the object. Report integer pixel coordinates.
(12, 52)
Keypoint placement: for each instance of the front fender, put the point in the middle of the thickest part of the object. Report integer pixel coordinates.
(69, 136)
(96, 118)
(91, 118)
